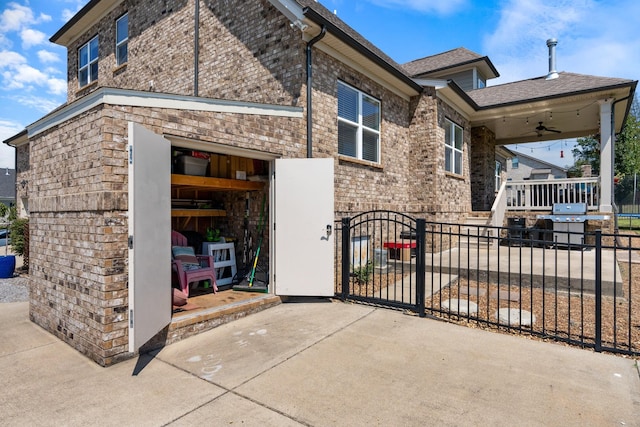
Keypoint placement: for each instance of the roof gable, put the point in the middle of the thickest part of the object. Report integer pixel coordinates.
(450, 61)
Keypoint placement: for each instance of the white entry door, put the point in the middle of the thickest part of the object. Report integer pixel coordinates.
(304, 213)
(149, 235)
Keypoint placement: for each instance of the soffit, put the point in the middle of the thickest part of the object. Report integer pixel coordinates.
(82, 21)
(576, 114)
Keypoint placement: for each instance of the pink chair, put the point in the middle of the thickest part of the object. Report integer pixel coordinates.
(189, 266)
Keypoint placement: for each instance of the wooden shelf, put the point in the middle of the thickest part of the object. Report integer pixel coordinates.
(217, 184)
(179, 213)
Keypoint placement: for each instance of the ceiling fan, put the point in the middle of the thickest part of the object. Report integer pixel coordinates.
(541, 128)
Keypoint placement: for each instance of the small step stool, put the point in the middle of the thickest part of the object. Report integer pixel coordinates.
(224, 255)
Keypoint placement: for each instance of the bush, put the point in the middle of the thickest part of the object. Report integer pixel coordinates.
(19, 238)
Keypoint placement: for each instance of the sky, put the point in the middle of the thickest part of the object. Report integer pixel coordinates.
(595, 37)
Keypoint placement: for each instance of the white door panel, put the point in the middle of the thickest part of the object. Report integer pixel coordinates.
(304, 209)
(150, 226)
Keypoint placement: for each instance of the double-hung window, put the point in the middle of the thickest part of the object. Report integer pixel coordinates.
(452, 147)
(358, 124)
(88, 62)
(122, 39)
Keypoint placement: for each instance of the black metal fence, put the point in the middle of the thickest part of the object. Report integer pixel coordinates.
(582, 288)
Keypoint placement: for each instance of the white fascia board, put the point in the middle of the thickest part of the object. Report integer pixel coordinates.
(158, 100)
(292, 10)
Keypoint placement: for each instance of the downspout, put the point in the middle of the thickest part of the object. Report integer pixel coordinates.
(309, 82)
(196, 47)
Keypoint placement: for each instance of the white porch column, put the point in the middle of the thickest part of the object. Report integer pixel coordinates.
(606, 155)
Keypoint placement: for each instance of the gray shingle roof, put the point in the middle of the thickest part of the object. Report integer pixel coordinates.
(441, 61)
(7, 183)
(540, 88)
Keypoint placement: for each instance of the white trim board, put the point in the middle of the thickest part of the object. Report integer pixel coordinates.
(158, 100)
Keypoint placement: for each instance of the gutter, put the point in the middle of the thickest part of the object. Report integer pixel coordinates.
(354, 44)
(310, 44)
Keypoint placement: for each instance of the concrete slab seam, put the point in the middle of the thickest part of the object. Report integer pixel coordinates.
(232, 391)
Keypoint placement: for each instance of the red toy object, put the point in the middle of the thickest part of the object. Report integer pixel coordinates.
(400, 250)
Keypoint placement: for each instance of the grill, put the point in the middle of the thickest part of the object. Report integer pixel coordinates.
(568, 222)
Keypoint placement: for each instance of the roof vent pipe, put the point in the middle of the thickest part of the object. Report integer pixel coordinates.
(553, 74)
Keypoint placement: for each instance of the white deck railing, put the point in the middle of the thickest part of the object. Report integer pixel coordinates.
(541, 195)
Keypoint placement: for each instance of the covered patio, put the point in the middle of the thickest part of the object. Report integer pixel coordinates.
(560, 105)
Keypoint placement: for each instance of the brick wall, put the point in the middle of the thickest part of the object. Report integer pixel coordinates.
(483, 168)
(247, 51)
(78, 170)
(79, 228)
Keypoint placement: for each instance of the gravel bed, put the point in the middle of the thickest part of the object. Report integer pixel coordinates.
(15, 289)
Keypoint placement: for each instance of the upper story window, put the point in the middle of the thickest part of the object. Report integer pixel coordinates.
(453, 147)
(515, 163)
(481, 82)
(358, 124)
(122, 39)
(88, 62)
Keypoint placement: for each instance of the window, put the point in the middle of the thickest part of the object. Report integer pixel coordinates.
(498, 175)
(358, 124)
(122, 39)
(88, 62)
(515, 163)
(453, 147)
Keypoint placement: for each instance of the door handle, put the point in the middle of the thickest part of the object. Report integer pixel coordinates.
(329, 229)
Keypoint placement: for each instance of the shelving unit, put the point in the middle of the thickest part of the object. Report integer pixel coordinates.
(213, 184)
(202, 183)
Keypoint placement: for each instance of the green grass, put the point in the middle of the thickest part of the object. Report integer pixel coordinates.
(629, 224)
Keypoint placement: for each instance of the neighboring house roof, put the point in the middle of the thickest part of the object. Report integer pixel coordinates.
(7, 184)
(449, 60)
(541, 88)
(530, 159)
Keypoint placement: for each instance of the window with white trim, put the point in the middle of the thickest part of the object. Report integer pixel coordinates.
(453, 147)
(498, 175)
(358, 124)
(122, 39)
(88, 62)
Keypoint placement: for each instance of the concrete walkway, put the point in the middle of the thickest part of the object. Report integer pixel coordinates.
(318, 363)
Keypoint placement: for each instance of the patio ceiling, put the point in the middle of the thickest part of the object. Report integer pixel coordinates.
(570, 104)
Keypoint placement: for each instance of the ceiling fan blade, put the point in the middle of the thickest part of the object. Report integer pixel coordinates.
(553, 130)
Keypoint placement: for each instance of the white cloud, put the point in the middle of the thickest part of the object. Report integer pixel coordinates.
(46, 56)
(39, 103)
(57, 86)
(8, 128)
(18, 74)
(15, 17)
(67, 14)
(427, 6)
(32, 38)
(9, 59)
(517, 46)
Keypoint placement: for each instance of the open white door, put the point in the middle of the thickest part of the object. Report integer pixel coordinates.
(149, 235)
(304, 213)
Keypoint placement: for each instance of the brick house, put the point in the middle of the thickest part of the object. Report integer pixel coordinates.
(265, 89)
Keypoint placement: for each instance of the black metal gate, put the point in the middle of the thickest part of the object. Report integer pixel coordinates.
(582, 288)
(383, 260)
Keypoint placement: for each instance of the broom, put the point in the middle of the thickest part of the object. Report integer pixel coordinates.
(249, 284)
